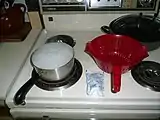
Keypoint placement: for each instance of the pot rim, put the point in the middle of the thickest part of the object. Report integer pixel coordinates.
(133, 15)
(54, 68)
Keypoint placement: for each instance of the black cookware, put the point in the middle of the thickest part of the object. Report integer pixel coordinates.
(145, 28)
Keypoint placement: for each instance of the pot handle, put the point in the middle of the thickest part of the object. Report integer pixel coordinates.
(116, 79)
(19, 98)
(156, 14)
(105, 29)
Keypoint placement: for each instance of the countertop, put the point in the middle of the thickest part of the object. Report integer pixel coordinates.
(12, 57)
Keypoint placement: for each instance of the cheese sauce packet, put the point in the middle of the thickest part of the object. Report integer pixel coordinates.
(95, 83)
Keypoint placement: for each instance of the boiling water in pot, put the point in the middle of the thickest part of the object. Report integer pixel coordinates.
(52, 55)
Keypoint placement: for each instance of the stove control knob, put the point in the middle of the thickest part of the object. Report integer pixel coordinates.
(145, 3)
(74, 1)
(79, 0)
(45, 118)
(63, 1)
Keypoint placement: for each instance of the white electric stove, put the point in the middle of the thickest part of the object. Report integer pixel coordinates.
(133, 100)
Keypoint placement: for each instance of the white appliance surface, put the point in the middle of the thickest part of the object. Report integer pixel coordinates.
(12, 58)
(83, 28)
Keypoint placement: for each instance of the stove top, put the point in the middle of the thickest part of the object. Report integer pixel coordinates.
(131, 96)
(77, 94)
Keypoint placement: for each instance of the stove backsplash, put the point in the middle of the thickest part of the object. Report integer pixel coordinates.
(61, 15)
(79, 22)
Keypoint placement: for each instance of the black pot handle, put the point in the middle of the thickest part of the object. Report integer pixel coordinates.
(19, 98)
(157, 12)
(105, 29)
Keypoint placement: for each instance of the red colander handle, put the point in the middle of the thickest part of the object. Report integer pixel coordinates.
(116, 79)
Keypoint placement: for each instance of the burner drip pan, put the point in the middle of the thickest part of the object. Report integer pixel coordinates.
(147, 74)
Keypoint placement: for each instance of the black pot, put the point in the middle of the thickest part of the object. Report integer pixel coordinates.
(143, 28)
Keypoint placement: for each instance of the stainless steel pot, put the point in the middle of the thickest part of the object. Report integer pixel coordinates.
(58, 73)
(55, 74)
(47, 70)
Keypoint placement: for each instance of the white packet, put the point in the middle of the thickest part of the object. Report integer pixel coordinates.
(95, 83)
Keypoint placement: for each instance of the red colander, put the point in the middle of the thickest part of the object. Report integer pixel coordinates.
(116, 54)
